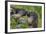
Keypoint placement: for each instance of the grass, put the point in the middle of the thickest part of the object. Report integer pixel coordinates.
(37, 9)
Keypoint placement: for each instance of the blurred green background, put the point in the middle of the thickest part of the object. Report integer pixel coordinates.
(37, 9)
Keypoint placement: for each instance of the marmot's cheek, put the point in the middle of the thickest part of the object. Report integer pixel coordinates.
(30, 20)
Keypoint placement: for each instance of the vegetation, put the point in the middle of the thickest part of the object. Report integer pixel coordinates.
(37, 9)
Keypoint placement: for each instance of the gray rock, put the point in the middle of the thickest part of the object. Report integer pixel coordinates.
(23, 20)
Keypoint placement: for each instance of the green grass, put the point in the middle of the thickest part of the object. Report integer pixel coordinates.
(37, 9)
